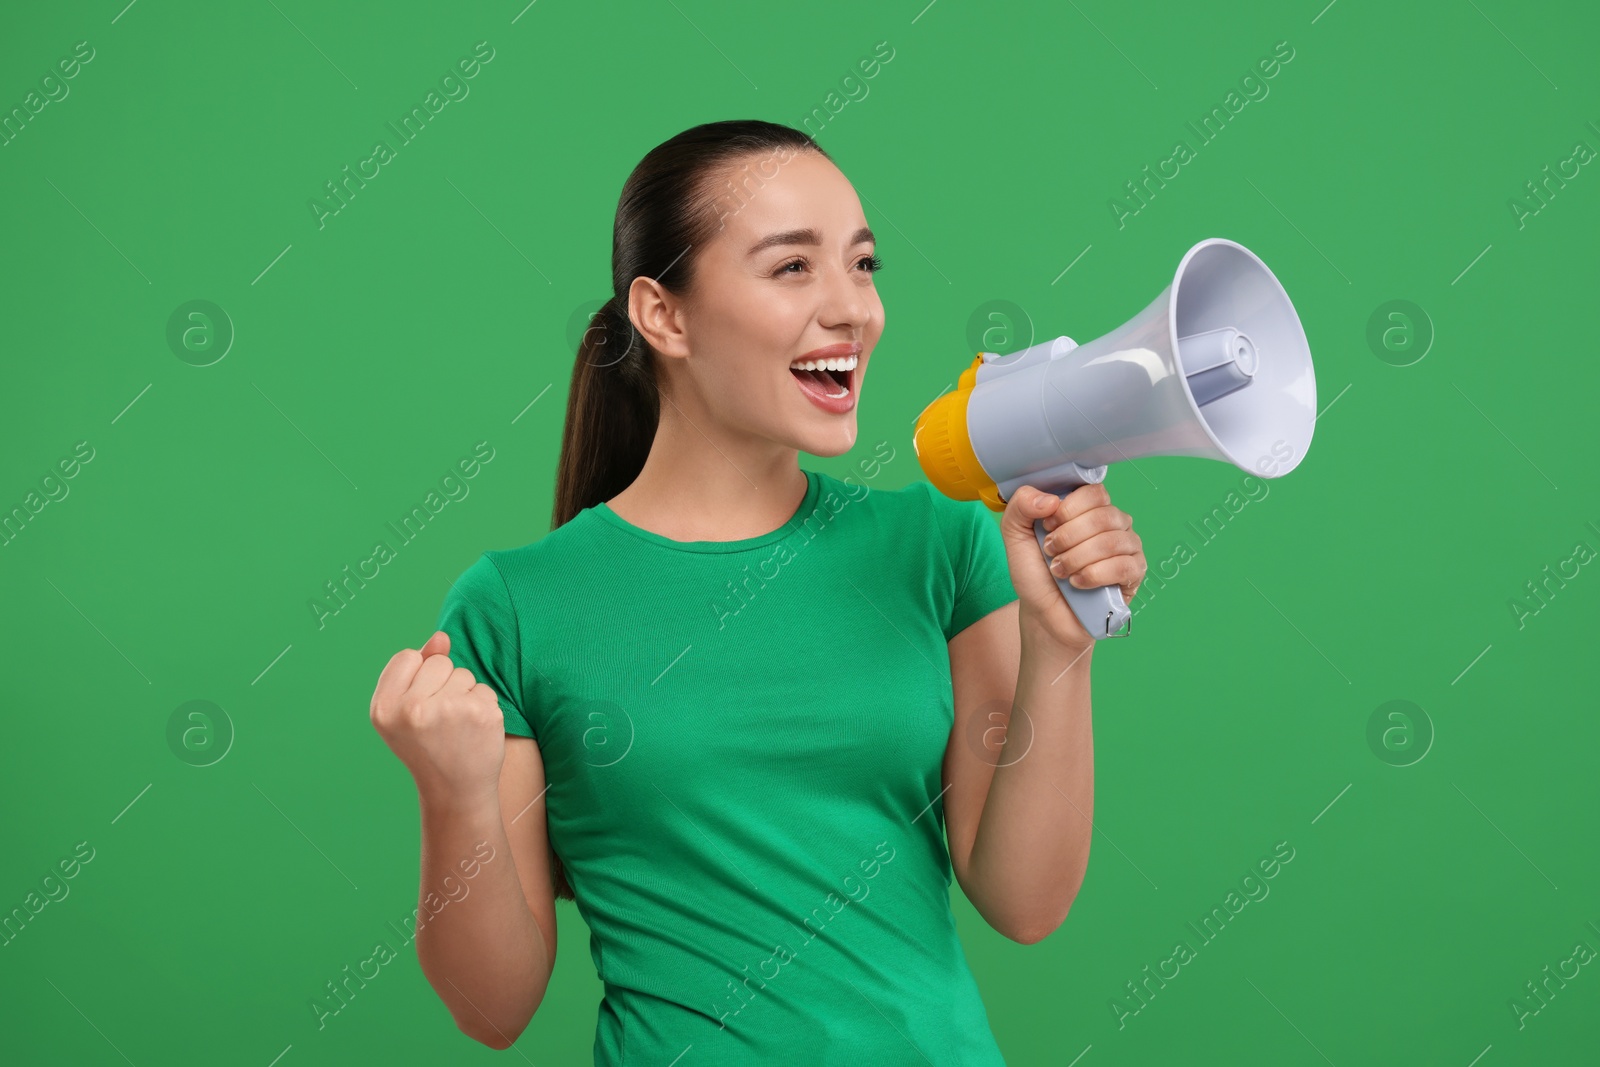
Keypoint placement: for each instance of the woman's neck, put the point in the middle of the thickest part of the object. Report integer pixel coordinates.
(696, 491)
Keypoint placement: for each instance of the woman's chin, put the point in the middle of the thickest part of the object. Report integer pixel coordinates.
(835, 440)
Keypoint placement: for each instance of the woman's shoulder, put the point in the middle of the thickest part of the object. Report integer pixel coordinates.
(556, 549)
(914, 501)
(495, 575)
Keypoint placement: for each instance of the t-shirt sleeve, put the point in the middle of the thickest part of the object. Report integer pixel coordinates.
(484, 637)
(977, 553)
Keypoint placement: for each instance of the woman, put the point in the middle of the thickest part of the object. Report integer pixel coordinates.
(751, 717)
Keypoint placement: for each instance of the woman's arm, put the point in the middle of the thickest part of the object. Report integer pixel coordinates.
(486, 928)
(1019, 771)
(489, 955)
(1019, 768)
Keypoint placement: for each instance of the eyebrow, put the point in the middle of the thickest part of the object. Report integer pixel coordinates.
(806, 237)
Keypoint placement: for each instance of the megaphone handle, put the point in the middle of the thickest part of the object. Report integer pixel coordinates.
(1101, 610)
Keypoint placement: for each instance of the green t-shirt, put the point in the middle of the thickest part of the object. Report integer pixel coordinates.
(743, 743)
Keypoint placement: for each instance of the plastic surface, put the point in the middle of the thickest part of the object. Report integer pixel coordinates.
(1216, 367)
(1100, 609)
(1126, 394)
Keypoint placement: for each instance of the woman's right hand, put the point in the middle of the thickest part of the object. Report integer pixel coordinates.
(444, 725)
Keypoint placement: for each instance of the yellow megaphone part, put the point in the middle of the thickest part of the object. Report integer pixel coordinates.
(944, 447)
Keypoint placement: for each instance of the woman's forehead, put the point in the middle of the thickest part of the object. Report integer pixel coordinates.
(803, 194)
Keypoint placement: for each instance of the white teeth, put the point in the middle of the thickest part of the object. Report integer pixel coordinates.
(839, 363)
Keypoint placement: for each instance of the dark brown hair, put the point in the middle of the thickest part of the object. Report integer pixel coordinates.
(671, 205)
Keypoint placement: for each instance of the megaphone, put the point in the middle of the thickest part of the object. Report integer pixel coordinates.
(1217, 367)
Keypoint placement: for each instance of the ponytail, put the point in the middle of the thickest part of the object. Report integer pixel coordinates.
(613, 406)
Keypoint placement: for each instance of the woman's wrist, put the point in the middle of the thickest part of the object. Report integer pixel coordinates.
(1043, 643)
(455, 802)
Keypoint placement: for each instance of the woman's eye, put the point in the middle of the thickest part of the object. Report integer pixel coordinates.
(872, 263)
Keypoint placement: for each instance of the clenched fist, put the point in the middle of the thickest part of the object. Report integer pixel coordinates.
(446, 727)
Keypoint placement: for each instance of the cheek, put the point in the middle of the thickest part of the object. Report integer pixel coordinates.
(766, 334)
(748, 356)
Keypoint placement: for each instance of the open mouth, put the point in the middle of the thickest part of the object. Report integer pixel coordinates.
(832, 379)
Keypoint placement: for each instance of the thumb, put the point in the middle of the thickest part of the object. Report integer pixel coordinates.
(437, 645)
(1026, 505)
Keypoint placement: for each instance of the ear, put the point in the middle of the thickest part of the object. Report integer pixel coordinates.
(658, 316)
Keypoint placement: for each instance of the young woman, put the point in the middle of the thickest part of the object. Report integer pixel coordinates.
(748, 716)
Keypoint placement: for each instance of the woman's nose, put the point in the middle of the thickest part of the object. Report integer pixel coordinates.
(847, 302)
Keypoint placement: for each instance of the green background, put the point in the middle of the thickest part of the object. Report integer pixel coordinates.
(437, 310)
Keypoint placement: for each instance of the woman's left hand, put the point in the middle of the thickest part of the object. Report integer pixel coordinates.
(1091, 543)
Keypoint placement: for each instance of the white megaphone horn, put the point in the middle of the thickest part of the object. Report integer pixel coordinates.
(1217, 366)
